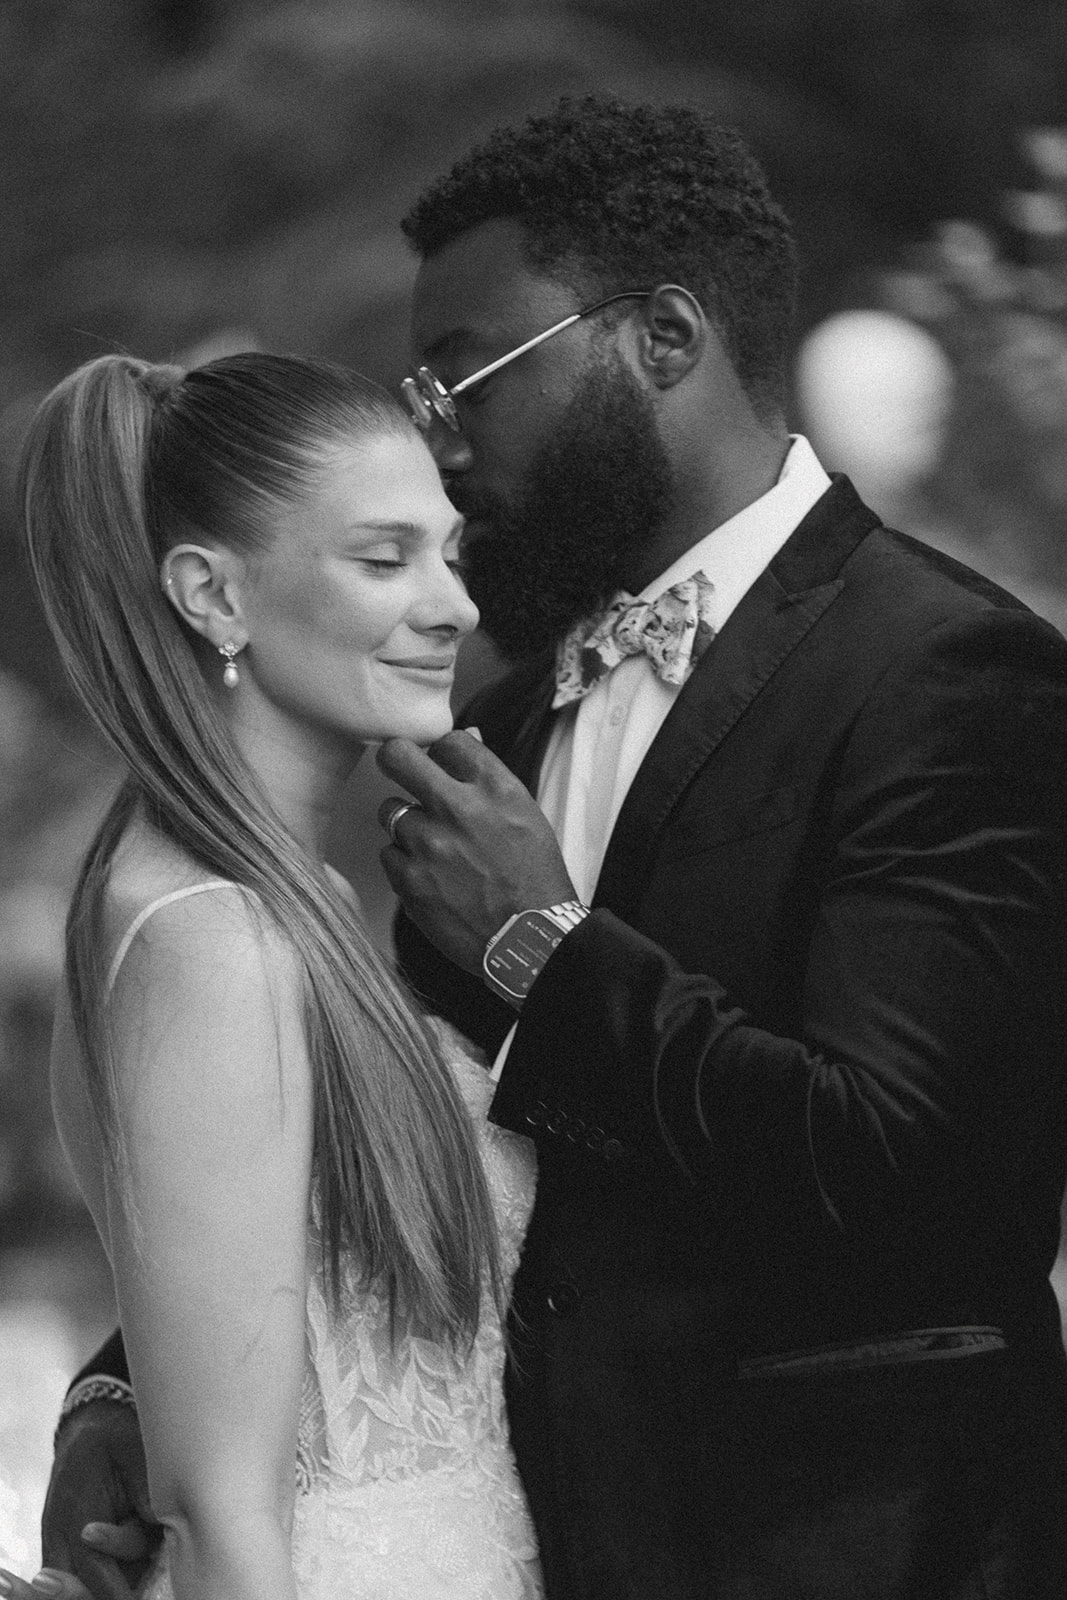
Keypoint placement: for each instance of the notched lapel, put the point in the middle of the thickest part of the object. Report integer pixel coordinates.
(766, 627)
(778, 611)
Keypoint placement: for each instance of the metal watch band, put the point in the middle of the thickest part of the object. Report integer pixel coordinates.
(569, 913)
(517, 952)
(566, 915)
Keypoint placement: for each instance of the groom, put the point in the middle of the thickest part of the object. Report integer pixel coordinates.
(773, 970)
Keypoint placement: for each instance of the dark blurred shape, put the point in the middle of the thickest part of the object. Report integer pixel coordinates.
(912, 105)
(183, 27)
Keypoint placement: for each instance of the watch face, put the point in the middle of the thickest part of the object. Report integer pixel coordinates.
(520, 953)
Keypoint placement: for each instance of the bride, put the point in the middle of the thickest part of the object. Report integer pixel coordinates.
(250, 571)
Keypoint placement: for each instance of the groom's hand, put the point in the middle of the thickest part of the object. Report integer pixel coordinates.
(97, 1520)
(476, 850)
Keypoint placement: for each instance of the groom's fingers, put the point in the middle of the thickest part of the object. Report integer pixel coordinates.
(103, 1579)
(49, 1584)
(58, 1585)
(452, 776)
(16, 1587)
(412, 768)
(126, 1541)
(466, 758)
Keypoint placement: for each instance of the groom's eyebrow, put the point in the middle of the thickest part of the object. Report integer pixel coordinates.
(460, 343)
(449, 343)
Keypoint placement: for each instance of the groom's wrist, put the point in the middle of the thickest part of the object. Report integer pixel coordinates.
(518, 952)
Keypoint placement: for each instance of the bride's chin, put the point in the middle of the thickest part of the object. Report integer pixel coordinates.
(446, 725)
(421, 730)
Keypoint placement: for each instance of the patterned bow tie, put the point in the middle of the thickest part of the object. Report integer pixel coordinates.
(673, 631)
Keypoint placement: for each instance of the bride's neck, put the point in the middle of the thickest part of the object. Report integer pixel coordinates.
(303, 781)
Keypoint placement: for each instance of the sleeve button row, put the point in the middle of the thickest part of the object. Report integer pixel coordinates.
(574, 1129)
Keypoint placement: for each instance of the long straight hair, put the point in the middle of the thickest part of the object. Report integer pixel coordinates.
(122, 461)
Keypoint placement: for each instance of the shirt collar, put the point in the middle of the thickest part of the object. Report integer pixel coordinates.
(734, 554)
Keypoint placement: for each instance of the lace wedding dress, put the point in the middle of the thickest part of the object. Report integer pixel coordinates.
(406, 1485)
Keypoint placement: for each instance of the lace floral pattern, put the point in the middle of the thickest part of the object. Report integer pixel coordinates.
(410, 1486)
(406, 1485)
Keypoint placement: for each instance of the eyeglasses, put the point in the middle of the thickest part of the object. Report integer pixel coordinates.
(428, 398)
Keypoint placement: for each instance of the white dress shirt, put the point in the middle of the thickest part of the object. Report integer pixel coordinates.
(598, 743)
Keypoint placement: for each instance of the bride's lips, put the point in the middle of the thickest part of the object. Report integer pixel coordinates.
(431, 667)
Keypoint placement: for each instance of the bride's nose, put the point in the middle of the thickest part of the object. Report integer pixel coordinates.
(445, 606)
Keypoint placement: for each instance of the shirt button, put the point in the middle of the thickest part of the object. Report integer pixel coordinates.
(564, 1299)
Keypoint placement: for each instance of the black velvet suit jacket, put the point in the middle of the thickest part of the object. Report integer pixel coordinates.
(798, 1082)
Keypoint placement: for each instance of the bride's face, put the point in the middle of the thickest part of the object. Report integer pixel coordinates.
(355, 611)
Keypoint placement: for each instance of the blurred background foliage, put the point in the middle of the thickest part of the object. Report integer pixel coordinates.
(180, 178)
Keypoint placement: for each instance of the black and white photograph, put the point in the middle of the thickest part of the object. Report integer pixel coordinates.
(533, 800)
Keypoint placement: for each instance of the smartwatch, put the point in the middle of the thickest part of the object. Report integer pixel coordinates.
(516, 954)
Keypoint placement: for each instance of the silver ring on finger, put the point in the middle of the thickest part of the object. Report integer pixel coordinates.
(400, 809)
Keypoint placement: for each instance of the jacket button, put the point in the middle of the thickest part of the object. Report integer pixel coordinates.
(564, 1299)
(537, 1115)
(556, 1122)
(613, 1149)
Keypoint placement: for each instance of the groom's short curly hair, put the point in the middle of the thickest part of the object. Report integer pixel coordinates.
(613, 196)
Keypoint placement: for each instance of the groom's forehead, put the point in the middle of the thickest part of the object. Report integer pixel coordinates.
(479, 290)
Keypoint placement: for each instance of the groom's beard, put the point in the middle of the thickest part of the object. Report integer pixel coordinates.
(594, 496)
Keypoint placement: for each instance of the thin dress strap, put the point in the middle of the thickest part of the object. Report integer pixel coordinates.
(157, 905)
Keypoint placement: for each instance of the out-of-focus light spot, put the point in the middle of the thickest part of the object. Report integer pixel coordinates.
(37, 1358)
(875, 391)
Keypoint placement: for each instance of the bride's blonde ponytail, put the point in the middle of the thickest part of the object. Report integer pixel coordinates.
(122, 461)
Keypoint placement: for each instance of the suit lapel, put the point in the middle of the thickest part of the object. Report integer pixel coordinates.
(765, 628)
(533, 730)
(778, 611)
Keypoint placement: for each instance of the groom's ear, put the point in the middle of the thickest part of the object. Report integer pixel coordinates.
(204, 587)
(670, 334)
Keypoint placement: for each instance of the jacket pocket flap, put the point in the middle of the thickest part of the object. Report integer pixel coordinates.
(727, 818)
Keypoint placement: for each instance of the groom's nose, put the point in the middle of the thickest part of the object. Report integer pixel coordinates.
(450, 450)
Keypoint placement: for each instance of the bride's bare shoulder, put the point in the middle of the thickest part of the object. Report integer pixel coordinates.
(145, 872)
(202, 996)
(178, 940)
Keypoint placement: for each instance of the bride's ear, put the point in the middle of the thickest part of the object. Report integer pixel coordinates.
(204, 587)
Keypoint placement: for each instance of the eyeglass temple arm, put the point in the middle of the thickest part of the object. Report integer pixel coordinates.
(502, 361)
(539, 338)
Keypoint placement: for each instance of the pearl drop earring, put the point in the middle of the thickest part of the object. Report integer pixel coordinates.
(229, 650)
